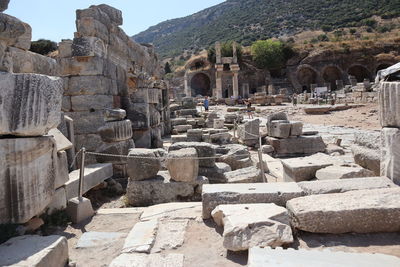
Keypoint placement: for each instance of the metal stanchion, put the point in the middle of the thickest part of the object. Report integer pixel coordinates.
(260, 158)
(82, 173)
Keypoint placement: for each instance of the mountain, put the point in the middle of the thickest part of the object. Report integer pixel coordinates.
(248, 20)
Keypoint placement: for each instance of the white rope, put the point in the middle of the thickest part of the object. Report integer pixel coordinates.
(143, 157)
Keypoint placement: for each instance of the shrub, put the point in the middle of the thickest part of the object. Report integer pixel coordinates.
(271, 54)
(43, 46)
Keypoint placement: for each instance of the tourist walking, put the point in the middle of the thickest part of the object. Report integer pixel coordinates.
(206, 103)
(249, 109)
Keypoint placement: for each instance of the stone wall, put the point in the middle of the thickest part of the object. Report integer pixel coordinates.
(102, 69)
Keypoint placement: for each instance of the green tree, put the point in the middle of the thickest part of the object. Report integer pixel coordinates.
(226, 51)
(167, 68)
(271, 54)
(43, 46)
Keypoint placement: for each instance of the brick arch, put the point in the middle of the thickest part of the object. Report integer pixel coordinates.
(306, 75)
(360, 72)
(201, 84)
(331, 74)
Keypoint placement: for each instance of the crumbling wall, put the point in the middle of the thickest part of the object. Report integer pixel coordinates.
(103, 68)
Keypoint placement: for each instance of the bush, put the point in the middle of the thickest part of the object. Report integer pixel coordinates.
(326, 28)
(271, 54)
(226, 51)
(323, 38)
(167, 68)
(43, 46)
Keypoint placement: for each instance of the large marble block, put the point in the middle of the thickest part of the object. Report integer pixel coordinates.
(389, 100)
(390, 156)
(30, 104)
(27, 174)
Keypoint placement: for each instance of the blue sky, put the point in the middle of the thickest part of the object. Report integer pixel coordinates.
(55, 19)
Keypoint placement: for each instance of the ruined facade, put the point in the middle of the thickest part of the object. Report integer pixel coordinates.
(104, 69)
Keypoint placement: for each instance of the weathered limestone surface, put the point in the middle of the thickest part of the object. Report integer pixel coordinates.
(390, 157)
(364, 211)
(170, 235)
(261, 257)
(338, 172)
(389, 100)
(33, 250)
(27, 169)
(204, 150)
(161, 189)
(31, 104)
(341, 186)
(221, 138)
(59, 201)
(143, 165)
(367, 158)
(219, 194)
(183, 165)
(279, 129)
(143, 260)
(94, 175)
(4, 5)
(249, 225)
(91, 102)
(304, 169)
(28, 62)
(141, 238)
(237, 157)
(297, 146)
(216, 174)
(62, 173)
(118, 148)
(116, 131)
(249, 132)
(245, 175)
(114, 115)
(89, 85)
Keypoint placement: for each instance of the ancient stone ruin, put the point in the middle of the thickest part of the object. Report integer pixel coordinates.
(141, 178)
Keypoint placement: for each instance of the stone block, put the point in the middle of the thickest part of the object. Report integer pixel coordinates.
(267, 149)
(304, 169)
(161, 189)
(116, 131)
(114, 115)
(220, 194)
(27, 170)
(245, 175)
(237, 156)
(179, 121)
(79, 209)
(368, 139)
(25, 97)
(94, 175)
(141, 238)
(62, 142)
(59, 201)
(34, 250)
(178, 138)
(182, 128)
(89, 26)
(296, 128)
(249, 131)
(142, 138)
(65, 48)
(367, 158)
(297, 146)
(204, 150)
(90, 85)
(91, 102)
(216, 174)
(86, 122)
(219, 124)
(143, 164)
(187, 112)
(29, 62)
(154, 259)
(62, 170)
(363, 211)
(194, 135)
(390, 157)
(339, 172)
(260, 257)
(250, 225)
(341, 186)
(221, 138)
(279, 129)
(183, 165)
(389, 101)
(4, 5)
(118, 148)
(87, 46)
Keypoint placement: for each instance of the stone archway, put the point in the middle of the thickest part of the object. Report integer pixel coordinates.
(306, 76)
(201, 85)
(360, 72)
(331, 74)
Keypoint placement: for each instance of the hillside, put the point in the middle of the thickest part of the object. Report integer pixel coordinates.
(248, 20)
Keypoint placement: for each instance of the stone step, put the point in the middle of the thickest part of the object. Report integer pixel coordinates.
(32, 250)
(218, 194)
(261, 257)
(94, 175)
(363, 211)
